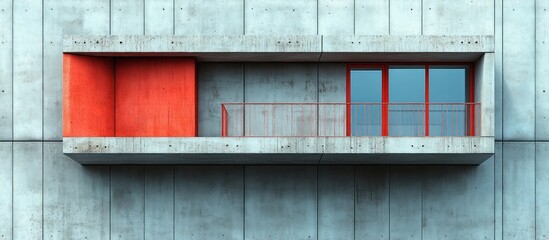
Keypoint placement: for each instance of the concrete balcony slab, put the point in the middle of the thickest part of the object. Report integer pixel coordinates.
(280, 150)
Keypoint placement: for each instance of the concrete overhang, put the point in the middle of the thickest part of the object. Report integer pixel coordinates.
(280, 150)
(287, 48)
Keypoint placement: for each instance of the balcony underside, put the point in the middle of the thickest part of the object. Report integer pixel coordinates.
(280, 150)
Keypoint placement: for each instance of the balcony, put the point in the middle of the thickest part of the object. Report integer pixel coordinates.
(350, 119)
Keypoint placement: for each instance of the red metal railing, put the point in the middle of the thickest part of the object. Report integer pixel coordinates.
(349, 119)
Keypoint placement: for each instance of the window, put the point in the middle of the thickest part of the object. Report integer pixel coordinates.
(410, 100)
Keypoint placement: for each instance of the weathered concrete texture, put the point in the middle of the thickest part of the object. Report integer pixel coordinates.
(287, 82)
(336, 17)
(484, 94)
(498, 192)
(127, 203)
(6, 194)
(335, 202)
(6, 99)
(280, 198)
(127, 17)
(519, 189)
(27, 190)
(332, 82)
(450, 17)
(209, 202)
(209, 17)
(372, 17)
(406, 202)
(217, 83)
(519, 83)
(76, 198)
(277, 150)
(225, 48)
(279, 17)
(406, 17)
(159, 17)
(498, 67)
(372, 202)
(62, 18)
(27, 70)
(542, 71)
(159, 202)
(542, 193)
(458, 202)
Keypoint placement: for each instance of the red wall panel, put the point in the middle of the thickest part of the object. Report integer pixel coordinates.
(155, 97)
(88, 96)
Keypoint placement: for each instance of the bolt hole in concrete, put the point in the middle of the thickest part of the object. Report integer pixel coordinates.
(422, 145)
(170, 145)
(120, 42)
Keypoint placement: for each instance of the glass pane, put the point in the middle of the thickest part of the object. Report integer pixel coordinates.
(407, 101)
(366, 90)
(447, 92)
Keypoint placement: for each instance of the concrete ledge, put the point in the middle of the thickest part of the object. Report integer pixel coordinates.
(312, 150)
(286, 48)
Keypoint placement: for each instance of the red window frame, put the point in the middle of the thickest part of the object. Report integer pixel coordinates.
(385, 92)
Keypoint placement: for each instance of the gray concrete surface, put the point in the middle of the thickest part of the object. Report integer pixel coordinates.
(6, 90)
(279, 150)
(38, 182)
(519, 70)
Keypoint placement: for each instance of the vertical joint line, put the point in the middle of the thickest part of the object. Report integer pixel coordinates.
(173, 23)
(173, 197)
(144, 199)
(144, 15)
(43, 103)
(317, 169)
(421, 23)
(243, 17)
(354, 17)
(354, 202)
(110, 17)
(243, 202)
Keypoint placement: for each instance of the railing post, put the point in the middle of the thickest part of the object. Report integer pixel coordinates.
(224, 121)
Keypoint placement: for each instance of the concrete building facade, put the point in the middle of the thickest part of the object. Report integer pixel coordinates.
(44, 194)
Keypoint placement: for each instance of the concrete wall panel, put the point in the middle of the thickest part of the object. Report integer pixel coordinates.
(297, 17)
(542, 193)
(406, 202)
(209, 202)
(519, 191)
(287, 82)
(127, 202)
(209, 17)
(498, 67)
(372, 202)
(159, 202)
(542, 71)
(27, 190)
(406, 17)
(458, 202)
(372, 17)
(336, 17)
(281, 202)
(217, 83)
(462, 17)
(498, 194)
(335, 202)
(76, 198)
(127, 17)
(159, 17)
(6, 181)
(63, 17)
(332, 82)
(27, 70)
(6, 96)
(519, 70)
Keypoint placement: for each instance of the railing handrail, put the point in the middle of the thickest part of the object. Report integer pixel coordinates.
(353, 103)
(350, 119)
